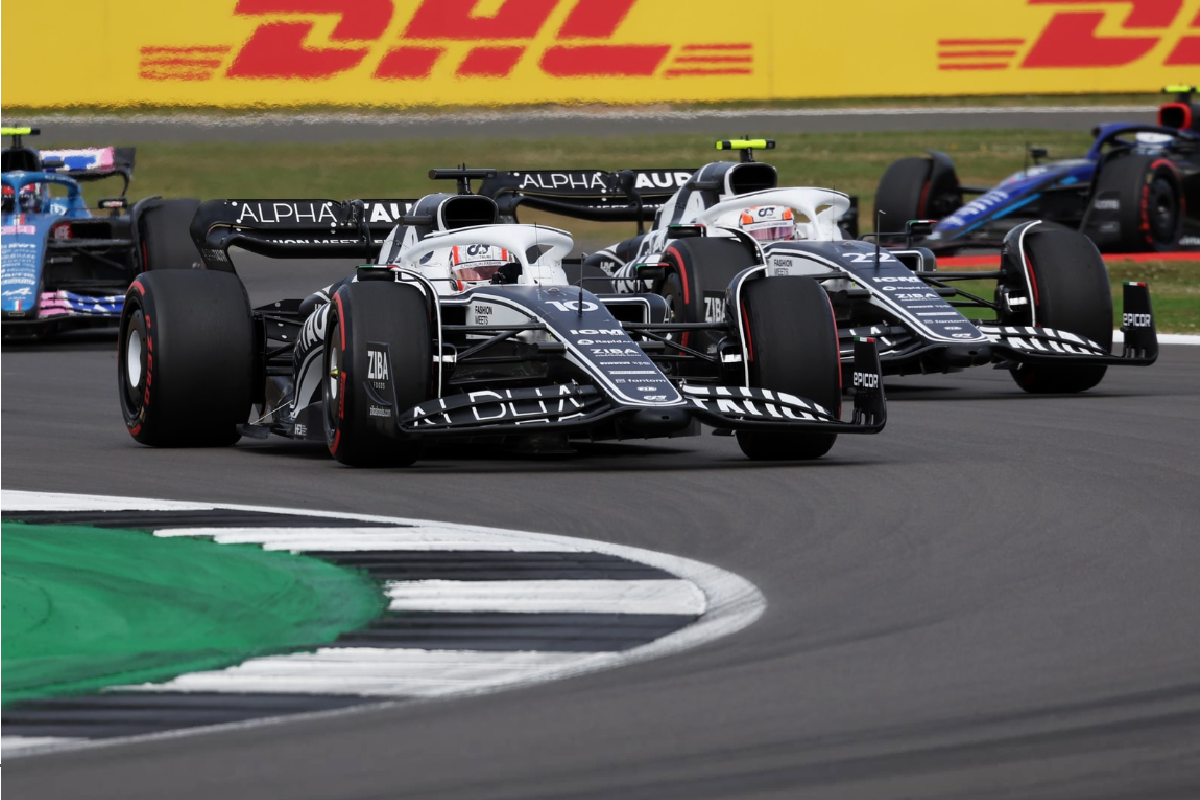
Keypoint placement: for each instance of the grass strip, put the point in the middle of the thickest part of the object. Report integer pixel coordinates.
(85, 608)
(852, 163)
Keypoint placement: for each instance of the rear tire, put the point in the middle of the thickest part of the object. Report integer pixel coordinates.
(185, 358)
(792, 347)
(902, 192)
(917, 188)
(1072, 294)
(364, 313)
(696, 267)
(166, 235)
(1150, 193)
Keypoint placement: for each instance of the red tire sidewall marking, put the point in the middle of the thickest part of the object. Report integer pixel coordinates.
(683, 282)
(1032, 279)
(1144, 221)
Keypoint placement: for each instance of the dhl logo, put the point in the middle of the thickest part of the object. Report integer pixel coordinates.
(316, 39)
(1072, 38)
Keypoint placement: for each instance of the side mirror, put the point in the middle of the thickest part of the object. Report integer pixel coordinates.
(1037, 153)
(53, 164)
(651, 272)
(371, 272)
(917, 227)
(685, 231)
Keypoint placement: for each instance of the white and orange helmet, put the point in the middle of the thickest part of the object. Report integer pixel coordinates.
(770, 223)
(477, 263)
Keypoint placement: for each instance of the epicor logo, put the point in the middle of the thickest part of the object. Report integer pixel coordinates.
(1071, 38)
(315, 39)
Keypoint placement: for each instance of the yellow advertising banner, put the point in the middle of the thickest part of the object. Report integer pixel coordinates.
(261, 53)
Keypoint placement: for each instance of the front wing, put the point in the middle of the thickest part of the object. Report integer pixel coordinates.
(1027, 344)
(574, 407)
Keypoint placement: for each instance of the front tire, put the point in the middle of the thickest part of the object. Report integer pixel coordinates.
(1072, 293)
(394, 317)
(185, 358)
(792, 347)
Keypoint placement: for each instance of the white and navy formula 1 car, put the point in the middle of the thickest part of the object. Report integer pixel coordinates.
(466, 329)
(1049, 321)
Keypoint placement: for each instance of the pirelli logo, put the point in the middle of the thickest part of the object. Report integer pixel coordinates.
(308, 40)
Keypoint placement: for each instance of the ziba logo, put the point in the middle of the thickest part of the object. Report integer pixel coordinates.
(306, 40)
(377, 369)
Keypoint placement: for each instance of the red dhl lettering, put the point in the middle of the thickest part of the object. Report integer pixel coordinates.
(286, 44)
(1070, 39)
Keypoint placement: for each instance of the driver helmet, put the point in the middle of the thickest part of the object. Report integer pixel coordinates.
(477, 263)
(768, 223)
(30, 199)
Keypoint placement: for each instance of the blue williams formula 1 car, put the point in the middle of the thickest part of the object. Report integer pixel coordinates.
(64, 266)
(1049, 321)
(1137, 189)
(465, 329)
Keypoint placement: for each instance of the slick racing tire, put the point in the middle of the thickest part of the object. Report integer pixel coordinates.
(792, 347)
(166, 235)
(698, 272)
(1150, 193)
(1072, 293)
(916, 188)
(379, 332)
(185, 358)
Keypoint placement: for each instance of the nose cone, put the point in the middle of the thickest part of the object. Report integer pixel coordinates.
(967, 355)
(651, 422)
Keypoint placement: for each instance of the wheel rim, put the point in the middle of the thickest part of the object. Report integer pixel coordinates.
(330, 384)
(133, 359)
(1162, 211)
(335, 368)
(133, 365)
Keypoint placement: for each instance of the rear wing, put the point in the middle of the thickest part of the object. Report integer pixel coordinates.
(295, 228)
(92, 163)
(631, 195)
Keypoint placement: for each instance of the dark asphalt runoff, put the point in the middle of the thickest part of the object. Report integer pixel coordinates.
(342, 127)
(997, 597)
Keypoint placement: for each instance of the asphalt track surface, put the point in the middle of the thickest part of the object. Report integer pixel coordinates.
(339, 126)
(994, 598)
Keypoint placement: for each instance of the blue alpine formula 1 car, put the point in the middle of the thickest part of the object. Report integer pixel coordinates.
(1137, 189)
(64, 266)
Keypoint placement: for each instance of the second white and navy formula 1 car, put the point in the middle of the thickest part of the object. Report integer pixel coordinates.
(466, 329)
(1049, 320)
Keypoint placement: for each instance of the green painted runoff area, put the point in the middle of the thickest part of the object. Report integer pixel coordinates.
(86, 608)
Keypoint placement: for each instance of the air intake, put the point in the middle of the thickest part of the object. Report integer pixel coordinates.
(464, 211)
(751, 177)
